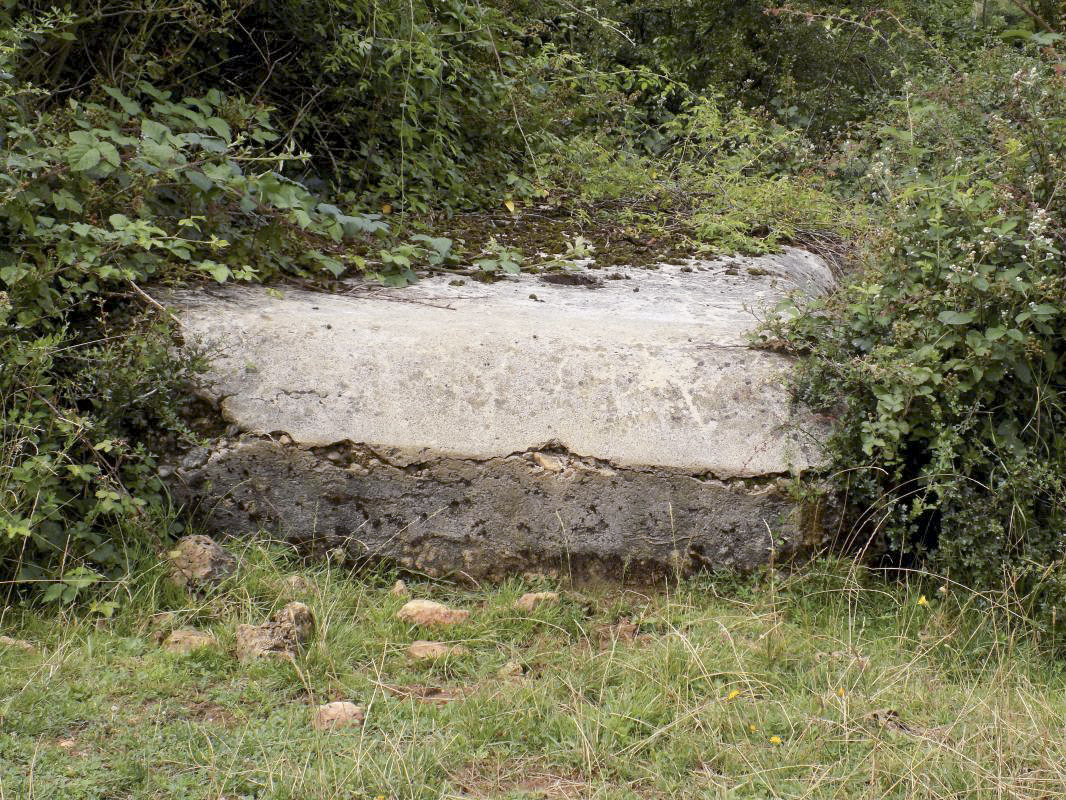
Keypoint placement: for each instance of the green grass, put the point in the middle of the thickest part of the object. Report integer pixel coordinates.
(824, 683)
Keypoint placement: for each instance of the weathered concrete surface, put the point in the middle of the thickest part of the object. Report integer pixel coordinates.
(515, 426)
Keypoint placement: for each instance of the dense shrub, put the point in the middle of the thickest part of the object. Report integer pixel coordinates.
(814, 66)
(946, 362)
(414, 103)
(95, 199)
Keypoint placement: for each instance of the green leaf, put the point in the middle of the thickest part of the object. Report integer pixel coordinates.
(109, 153)
(129, 106)
(119, 221)
(89, 159)
(220, 127)
(220, 272)
(957, 317)
(199, 180)
(65, 201)
(155, 131)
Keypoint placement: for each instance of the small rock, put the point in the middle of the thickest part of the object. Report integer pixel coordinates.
(286, 632)
(431, 651)
(340, 714)
(187, 640)
(547, 462)
(21, 644)
(198, 562)
(531, 600)
(512, 669)
(399, 589)
(197, 456)
(428, 612)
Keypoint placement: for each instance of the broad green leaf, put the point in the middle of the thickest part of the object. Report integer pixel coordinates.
(957, 317)
(109, 153)
(65, 201)
(199, 180)
(219, 126)
(155, 131)
(220, 272)
(89, 159)
(129, 106)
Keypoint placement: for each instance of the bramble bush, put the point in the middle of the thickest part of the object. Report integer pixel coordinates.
(416, 104)
(96, 198)
(945, 363)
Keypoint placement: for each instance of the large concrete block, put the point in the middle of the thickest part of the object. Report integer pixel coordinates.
(522, 425)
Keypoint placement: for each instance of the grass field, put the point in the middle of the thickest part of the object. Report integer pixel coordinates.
(826, 682)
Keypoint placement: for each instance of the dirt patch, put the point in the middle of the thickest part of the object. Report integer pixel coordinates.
(543, 234)
(212, 714)
(434, 695)
(571, 279)
(623, 631)
(487, 780)
(196, 709)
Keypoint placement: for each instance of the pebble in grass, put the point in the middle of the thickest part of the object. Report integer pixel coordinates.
(430, 613)
(340, 714)
(17, 644)
(198, 562)
(531, 600)
(284, 634)
(187, 641)
(432, 651)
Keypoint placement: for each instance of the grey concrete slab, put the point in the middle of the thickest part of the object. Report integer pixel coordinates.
(490, 428)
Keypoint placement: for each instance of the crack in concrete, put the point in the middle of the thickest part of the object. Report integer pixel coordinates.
(348, 453)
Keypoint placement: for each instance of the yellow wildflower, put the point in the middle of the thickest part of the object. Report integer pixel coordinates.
(752, 727)
(841, 692)
(776, 740)
(922, 601)
(733, 695)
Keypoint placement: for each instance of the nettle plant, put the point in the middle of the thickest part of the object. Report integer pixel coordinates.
(97, 199)
(946, 362)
